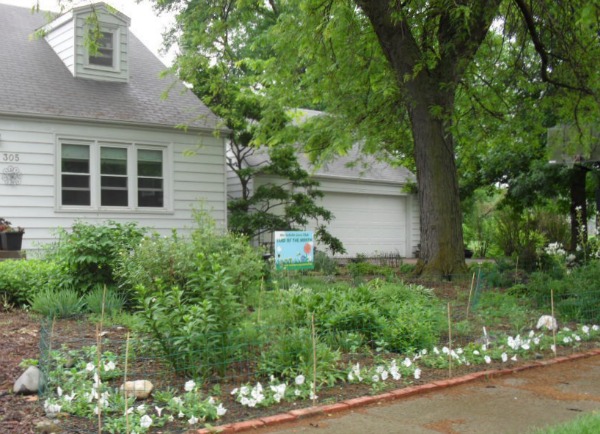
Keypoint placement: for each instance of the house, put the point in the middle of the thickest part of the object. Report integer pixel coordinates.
(374, 214)
(90, 136)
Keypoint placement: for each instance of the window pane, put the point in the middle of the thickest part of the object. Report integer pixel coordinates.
(147, 198)
(75, 158)
(104, 56)
(113, 197)
(150, 184)
(113, 161)
(114, 181)
(76, 190)
(150, 163)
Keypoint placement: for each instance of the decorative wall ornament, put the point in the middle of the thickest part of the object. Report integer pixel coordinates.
(12, 175)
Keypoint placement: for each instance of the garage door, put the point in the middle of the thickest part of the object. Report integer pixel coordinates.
(368, 223)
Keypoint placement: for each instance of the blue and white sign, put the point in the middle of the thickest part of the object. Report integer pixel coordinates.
(294, 250)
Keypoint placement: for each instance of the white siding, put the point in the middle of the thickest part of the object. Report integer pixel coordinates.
(62, 39)
(197, 180)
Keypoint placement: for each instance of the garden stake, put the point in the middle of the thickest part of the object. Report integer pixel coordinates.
(470, 293)
(314, 397)
(98, 352)
(449, 344)
(553, 319)
(125, 382)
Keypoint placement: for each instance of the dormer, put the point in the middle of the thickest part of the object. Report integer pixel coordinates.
(67, 35)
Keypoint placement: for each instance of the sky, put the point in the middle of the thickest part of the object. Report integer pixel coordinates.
(144, 23)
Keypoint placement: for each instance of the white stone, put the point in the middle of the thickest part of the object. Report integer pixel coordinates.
(141, 389)
(28, 382)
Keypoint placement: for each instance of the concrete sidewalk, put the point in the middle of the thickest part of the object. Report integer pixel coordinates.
(513, 403)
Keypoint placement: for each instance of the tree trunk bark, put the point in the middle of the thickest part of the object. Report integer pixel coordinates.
(442, 247)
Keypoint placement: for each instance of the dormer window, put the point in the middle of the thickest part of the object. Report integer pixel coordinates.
(105, 54)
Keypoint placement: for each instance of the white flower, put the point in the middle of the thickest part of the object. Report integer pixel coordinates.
(350, 376)
(424, 352)
(567, 340)
(476, 352)
(193, 420)
(221, 410)
(158, 410)
(234, 391)
(585, 329)
(577, 338)
(595, 327)
(211, 400)
(514, 358)
(244, 390)
(375, 378)
(297, 392)
(553, 348)
(484, 347)
(189, 386)
(90, 367)
(379, 369)
(177, 400)
(547, 321)
(51, 409)
(181, 415)
(109, 366)
(436, 351)
(384, 375)
(145, 421)
(70, 397)
(299, 380)
(171, 418)
(525, 346)
(487, 359)
(445, 350)
(417, 374)
(141, 409)
(407, 362)
(504, 357)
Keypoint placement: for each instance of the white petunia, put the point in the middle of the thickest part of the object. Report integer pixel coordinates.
(300, 380)
(59, 391)
(585, 329)
(158, 410)
(110, 366)
(487, 359)
(145, 421)
(141, 409)
(189, 386)
(504, 357)
(234, 391)
(514, 358)
(375, 378)
(193, 420)
(384, 375)
(407, 362)
(221, 410)
(417, 374)
(90, 367)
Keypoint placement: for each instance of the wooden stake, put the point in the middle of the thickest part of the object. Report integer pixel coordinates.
(449, 343)
(553, 319)
(314, 342)
(470, 293)
(125, 381)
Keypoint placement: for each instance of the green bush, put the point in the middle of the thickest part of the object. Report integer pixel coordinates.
(21, 280)
(90, 253)
(192, 292)
(325, 264)
(62, 303)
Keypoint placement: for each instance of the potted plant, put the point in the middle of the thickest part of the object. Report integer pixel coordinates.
(11, 237)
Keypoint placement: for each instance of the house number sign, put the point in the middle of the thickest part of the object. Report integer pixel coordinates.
(10, 158)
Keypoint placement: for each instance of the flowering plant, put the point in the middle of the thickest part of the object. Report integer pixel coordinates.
(5, 226)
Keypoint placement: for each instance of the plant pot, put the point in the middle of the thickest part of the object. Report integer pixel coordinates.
(11, 240)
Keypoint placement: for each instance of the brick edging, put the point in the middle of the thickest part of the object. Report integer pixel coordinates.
(392, 395)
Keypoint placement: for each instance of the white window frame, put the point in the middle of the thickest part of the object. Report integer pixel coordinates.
(132, 176)
(116, 37)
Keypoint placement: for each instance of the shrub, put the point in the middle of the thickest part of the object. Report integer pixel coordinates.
(62, 303)
(325, 264)
(191, 291)
(90, 253)
(21, 280)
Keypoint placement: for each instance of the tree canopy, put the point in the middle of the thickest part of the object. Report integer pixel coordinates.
(441, 86)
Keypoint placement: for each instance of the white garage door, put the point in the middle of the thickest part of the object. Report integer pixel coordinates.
(368, 223)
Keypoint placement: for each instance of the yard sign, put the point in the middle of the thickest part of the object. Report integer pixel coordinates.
(294, 250)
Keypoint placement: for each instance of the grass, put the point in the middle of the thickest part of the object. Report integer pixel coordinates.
(588, 423)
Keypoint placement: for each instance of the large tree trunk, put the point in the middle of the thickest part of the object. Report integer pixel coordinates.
(442, 247)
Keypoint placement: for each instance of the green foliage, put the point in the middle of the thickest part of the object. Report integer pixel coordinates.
(576, 295)
(325, 264)
(292, 354)
(192, 291)
(588, 423)
(61, 303)
(362, 269)
(402, 317)
(21, 280)
(104, 300)
(90, 253)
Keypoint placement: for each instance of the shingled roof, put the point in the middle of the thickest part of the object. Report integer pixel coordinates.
(35, 82)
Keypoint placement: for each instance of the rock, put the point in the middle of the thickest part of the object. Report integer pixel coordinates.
(28, 382)
(47, 427)
(141, 389)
